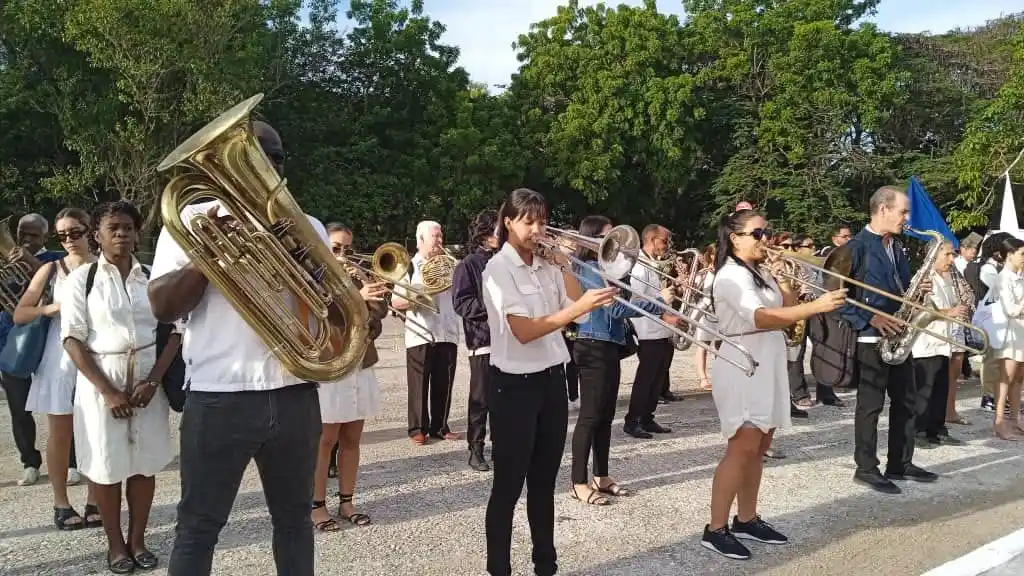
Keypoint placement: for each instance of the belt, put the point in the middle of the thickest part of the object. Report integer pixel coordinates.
(480, 351)
(557, 370)
(129, 377)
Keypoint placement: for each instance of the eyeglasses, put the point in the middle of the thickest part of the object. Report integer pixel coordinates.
(70, 235)
(757, 233)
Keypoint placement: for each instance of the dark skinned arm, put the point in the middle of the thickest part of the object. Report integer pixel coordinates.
(176, 294)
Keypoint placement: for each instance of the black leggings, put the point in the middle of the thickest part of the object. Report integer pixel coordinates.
(600, 372)
(529, 415)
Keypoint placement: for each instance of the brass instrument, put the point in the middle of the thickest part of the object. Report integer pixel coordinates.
(14, 276)
(267, 253)
(437, 272)
(617, 253)
(896, 349)
(798, 269)
(836, 272)
(389, 262)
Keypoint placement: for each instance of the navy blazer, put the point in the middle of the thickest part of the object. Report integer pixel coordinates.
(872, 266)
(468, 298)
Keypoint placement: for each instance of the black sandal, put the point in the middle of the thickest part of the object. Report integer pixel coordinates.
(612, 489)
(594, 499)
(329, 525)
(92, 510)
(122, 565)
(357, 519)
(145, 560)
(61, 517)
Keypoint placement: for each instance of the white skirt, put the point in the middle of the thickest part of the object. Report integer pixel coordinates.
(356, 397)
(53, 384)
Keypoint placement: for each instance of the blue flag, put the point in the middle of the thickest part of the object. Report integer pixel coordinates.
(925, 216)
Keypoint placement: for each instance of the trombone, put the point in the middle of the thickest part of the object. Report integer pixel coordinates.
(617, 253)
(689, 286)
(830, 267)
(388, 263)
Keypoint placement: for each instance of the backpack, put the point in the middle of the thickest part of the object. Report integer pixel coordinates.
(174, 379)
(972, 273)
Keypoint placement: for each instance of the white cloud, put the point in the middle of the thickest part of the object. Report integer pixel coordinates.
(484, 30)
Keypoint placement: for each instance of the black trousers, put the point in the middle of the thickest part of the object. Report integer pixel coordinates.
(798, 388)
(572, 375)
(431, 374)
(876, 378)
(931, 375)
(655, 359)
(529, 416)
(220, 433)
(479, 373)
(600, 373)
(23, 426)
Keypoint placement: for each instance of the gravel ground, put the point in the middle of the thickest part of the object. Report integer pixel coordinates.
(430, 493)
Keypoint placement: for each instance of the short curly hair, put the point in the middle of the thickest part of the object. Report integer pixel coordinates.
(124, 207)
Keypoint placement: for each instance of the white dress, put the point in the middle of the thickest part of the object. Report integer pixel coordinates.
(53, 384)
(355, 397)
(761, 400)
(116, 320)
(705, 303)
(1009, 293)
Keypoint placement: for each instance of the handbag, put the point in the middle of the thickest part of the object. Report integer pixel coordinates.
(991, 317)
(25, 343)
(631, 346)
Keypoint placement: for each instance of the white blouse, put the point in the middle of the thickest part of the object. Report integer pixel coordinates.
(943, 296)
(442, 325)
(511, 287)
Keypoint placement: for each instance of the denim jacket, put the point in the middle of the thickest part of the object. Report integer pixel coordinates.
(608, 323)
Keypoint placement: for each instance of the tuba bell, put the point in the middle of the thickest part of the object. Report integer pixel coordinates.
(267, 253)
(14, 276)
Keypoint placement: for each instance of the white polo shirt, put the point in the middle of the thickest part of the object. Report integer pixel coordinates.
(443, 325)
(222, 352)
(534, 291)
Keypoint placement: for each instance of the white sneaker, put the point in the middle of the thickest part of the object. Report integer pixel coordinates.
(29, 477)
(574, 405)
(74, 477)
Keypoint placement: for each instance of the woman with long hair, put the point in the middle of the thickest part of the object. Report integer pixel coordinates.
(122, 433)
(1008, 293)
(993, 255)
(529, 300)
(599, 347)
(753, 307)
(53, 384)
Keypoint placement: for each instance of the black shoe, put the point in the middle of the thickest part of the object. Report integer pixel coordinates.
(926, 443)
(477, 461)
(655, 428)
(912, 472)
(670, 397)
(634, 430)
(723, 542)
(873, 479)
(757, 529)
(988, 403)
(950, 440)
(797, 412)
(834, 401)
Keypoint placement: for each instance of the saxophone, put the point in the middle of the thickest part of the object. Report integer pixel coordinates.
(896, 349)
(269, 255)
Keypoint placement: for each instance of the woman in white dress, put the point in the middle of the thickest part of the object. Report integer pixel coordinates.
(753, 308)
(706, 279)
(122, 433)
(345, 405)
(53, 384)
(1009, 293)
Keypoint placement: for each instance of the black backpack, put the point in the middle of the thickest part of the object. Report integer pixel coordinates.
(174, 380)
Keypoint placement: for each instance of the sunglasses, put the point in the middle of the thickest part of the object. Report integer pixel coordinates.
(786, 245)
(71, 235)
(807, 245)
(758, 233)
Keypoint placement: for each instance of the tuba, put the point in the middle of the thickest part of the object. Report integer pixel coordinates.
(14, 276)
(268, 253)
(896, 349)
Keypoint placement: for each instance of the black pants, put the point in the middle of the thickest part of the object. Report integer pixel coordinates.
(572, 375)
(876, 378)
(655, 359)
(220, 433)
(529, 415)
(431, 374)
(600, 373)
(931, 375)
(479, 372)
(23, 426)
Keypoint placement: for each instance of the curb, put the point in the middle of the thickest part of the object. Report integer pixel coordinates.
(991, 555)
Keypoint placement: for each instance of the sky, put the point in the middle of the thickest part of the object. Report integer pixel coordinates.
(484, 30)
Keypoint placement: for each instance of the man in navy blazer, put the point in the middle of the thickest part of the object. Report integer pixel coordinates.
(878, 260)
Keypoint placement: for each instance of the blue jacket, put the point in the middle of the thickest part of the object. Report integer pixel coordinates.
(468, 298)
(609, 323)
(871, 265)
(6, 320)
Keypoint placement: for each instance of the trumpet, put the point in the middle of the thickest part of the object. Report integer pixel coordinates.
(388, 263)
(14, 276)
(837, 268)
(617, 254)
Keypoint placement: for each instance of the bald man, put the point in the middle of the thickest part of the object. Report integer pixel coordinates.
(242, 405)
